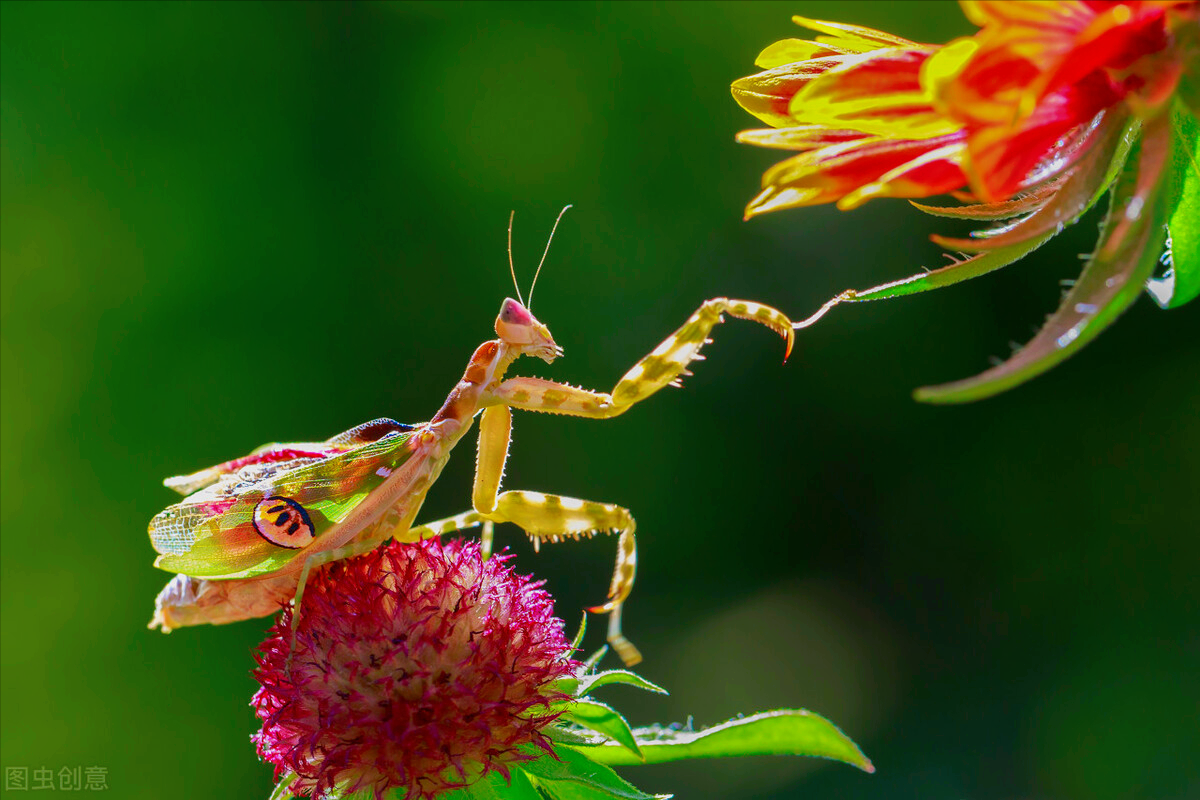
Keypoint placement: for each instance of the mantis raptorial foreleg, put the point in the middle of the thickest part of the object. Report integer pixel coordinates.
(666, 365)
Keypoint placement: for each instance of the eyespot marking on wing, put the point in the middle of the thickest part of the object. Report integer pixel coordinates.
(283, 522)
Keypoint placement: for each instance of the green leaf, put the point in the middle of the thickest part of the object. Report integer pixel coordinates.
(566, 734)
(558, 790)
(593, 682)
(493, 786)
(574, 776)
(597, 716)
(578, 640)
(1111, 281)
(1181, 282)
(283, 789)
(584, 684)
(1187, 42)
(957, 272)
(784, 732)
(594, 659)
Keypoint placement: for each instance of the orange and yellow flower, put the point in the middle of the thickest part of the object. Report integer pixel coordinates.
(1048, 106)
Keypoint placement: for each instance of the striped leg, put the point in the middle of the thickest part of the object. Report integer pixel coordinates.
(459, 522)
(666, 365)
(553, 518)
(548, 518)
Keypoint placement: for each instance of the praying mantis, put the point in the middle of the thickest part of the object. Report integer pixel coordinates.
(250, 530)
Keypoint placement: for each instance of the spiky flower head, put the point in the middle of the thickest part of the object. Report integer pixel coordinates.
(418, 666)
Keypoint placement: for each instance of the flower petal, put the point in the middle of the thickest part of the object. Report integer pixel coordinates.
(878, 92)
(1114, 39)
(933, 172)
(1017, 41)
(789, 51)
(830, 173)
(1096, 170)
(767, 95)
(1000, 157)
(946, 64)
(851, 37)
(801, 137)
(1049, 15)
(1111, 281)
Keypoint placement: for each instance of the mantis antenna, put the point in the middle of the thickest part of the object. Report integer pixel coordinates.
(511, 268)
(543, 261)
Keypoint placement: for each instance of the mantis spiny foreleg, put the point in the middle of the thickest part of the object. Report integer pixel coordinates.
(666, 365)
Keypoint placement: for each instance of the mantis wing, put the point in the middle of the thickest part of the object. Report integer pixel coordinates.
(254, 517)
(278, 451)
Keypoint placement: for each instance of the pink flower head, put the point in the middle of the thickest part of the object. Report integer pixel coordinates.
(418, 666)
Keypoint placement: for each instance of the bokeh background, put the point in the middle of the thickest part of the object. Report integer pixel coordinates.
(995, 601)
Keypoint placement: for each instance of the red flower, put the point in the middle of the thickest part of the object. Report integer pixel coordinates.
(878, 115)
(1032, 119)
(419, 666)
(856, 109)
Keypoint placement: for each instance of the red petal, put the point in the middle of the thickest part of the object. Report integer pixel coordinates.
(1001, 156)
(1114, 40)
(830, 173)
(1072, 197)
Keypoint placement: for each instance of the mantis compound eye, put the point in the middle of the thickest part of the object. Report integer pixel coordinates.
(283, 522)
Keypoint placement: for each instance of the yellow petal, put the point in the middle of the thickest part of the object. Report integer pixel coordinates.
(849, 97)
(801, 137)
(944, 66)
(775, 198)
(851, 37)
(789, 51)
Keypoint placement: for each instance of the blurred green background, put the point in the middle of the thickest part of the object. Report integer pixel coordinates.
(995, 601)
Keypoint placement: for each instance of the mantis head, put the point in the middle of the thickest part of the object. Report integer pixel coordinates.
(518, 328)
